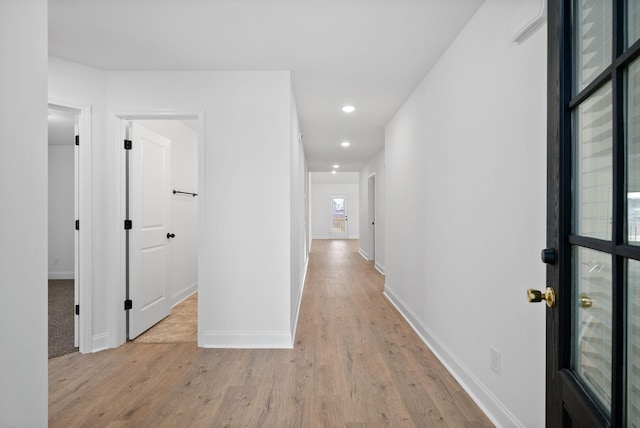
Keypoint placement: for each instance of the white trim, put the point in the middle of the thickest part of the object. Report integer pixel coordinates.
(488, 403)
(379, 267)
(325, 237)
(294, 321)
(247, 340)
(61, 275)
(529, 18)
(116, 317)
(346, 217)
(184, 294)
(85, 214)
(364, 254)
(99, 342)
(371, 216)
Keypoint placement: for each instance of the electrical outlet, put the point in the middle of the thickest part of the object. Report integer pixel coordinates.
(494, 360)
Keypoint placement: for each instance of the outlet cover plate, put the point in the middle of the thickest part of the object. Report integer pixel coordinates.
(495, 360)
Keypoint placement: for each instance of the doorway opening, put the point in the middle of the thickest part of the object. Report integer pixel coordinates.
(69, 225)
(372, 217)
(339, 218)
(62, 246)
(161, 248)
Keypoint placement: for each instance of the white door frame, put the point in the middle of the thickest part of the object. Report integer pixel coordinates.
(346, 214)
(371, 189)
(83, 241)
(116, 315)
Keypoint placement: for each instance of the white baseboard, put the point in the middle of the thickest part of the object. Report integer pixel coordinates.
(489, 403)
(364, 254)
(61, 275)
(183, 294)
(333, 237)
(246, 340)
(99, 342)
(379, 268)
(294, 321)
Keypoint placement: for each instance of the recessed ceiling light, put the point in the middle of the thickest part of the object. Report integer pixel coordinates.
(345, 144)
(336, 166)
(348, 109)
(333, 172)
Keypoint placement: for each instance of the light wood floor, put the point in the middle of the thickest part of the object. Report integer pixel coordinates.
(356, 363)
(180, 326)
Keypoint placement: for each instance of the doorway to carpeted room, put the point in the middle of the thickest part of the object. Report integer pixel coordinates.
(61, 317)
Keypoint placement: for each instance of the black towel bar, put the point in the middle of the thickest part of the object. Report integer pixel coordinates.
(185, 193)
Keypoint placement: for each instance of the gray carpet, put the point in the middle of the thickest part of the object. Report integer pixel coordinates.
(61, 313)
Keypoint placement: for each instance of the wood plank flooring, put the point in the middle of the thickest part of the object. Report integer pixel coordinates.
(180, 326)
(356, 363)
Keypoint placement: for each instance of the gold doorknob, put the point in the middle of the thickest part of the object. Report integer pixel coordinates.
(585, 301)
(548, 296)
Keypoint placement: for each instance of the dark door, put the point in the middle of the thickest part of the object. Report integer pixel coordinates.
(593, 330)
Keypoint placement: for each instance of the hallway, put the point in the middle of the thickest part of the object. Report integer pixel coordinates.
(356, 362)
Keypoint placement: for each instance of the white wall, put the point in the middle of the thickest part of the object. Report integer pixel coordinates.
(79, 85)
(61, 213)
(375, 167)
(183, 249)
(465, 205)
(299, 254)
(23, 213)
(325, 184)
(244, 184)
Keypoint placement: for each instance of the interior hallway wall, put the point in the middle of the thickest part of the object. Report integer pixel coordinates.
(466, 212)
(247, 154)
(374, 166)
(183, 249)
(323, 186)
(23, 213)
(298, 250)
(85, 86)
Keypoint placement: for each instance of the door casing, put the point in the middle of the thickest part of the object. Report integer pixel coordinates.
(372, 216)
(117, 316)
(346, 216)
(83, 249)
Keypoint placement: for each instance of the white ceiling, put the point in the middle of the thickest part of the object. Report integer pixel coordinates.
(338, 178)
(369, 53)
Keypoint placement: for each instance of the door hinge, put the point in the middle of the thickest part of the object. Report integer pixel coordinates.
(77, 309)
(128, 304)
(128, 224)
(77, 140)
(128, 144)
(77, 224)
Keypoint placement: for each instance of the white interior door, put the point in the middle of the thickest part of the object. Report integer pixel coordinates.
(339, 218)
(372, 217)
(150, 190)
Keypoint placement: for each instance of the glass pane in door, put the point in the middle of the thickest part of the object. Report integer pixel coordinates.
(592, 40)
(592, 166)
(592, 322)
(633, 153)
(633, 33)
(633, 343)
(338, 215)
